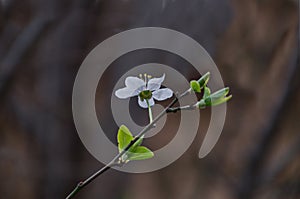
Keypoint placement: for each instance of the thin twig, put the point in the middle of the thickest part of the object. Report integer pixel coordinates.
(285, 73)
(182, 108)
(115, 161)
(19, 48)
(80, 185)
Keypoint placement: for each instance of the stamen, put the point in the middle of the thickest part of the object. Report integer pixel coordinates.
(145, 75)
(141, 76)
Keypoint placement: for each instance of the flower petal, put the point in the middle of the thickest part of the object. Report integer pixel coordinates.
(124, 93)
(155, 83)
(162, 94)
(135, 83)
(143, 104)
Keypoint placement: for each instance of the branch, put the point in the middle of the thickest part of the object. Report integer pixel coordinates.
(114, 161)
(182, 108)
(285, 74)
(81, 184)
(19, 48)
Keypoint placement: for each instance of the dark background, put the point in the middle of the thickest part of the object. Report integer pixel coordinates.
(253, 42)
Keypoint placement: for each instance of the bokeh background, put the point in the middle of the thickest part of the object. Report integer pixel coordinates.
(253, 42)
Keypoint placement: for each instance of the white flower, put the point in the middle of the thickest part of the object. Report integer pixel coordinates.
(146, 89)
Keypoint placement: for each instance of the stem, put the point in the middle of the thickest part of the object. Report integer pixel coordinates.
(149, 111)
(182, 108)
(114, 161)
(82, 184)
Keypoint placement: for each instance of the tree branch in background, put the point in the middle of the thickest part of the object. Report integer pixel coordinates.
(18, 50)
(279, 77)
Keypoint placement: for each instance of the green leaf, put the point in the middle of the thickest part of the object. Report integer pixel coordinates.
(137, 143)
(221, 100)
(204, 80)
(207, 92)
(220, 97)
(124, 137)
(140, 153)
(195, 86)
(220, 93)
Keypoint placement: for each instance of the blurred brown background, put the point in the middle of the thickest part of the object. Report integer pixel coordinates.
(253, 42)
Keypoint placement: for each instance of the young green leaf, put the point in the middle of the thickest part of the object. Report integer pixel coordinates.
(195, 86)
(214, 99)
(219, 101)
(206, 92)
(220, 93)
(204, 80)
(137, 143)
(140, 153)
(124, 137)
